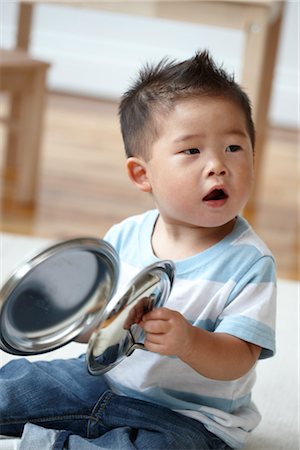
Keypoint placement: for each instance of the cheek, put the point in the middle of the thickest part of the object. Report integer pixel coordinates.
(246, 181)
(172, 191)
(245, 170)
(250, 174)
(168, 190)
(165, 179)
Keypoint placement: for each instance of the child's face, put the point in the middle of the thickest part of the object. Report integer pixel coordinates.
(201, 167)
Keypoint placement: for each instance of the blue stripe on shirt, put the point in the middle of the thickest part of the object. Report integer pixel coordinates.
(250, 330)
(180, 400)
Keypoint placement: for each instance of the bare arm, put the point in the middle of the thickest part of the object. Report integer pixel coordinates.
(218, 356)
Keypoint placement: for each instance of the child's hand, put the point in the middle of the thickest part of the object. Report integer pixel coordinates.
(219, 356)
(167, 332)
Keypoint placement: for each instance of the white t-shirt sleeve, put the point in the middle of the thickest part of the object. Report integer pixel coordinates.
(250, 312)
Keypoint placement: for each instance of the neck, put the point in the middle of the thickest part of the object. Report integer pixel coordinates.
(176, 241)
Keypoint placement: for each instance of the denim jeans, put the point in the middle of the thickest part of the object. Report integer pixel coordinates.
(65, 407)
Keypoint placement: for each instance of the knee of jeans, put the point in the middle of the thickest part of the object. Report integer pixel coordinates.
(9, 376)
(11, 386)
(14, 369)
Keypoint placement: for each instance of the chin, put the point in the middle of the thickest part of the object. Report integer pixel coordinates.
(217, 222)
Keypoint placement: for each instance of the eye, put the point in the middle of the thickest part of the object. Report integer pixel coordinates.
(191, 151)
(233, 148)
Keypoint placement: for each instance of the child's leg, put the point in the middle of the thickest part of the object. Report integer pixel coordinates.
(122, 423)
(131, 424)
(61, 395)
(55, 394)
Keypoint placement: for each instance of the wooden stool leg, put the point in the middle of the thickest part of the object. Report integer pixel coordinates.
(29, 137)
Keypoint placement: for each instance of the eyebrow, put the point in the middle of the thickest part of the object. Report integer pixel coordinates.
(186, 137)
(234, 131)
(238, 132)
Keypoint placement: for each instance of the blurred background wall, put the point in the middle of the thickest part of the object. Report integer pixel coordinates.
(96, 53)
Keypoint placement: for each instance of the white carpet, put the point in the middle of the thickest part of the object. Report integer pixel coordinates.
(277, 389)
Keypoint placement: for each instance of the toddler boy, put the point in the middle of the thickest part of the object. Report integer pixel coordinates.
(189, 139)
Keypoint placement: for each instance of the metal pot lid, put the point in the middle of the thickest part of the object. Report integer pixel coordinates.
(118, 333)
(57, 295)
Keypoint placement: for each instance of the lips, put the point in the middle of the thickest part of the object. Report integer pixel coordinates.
(215, 195)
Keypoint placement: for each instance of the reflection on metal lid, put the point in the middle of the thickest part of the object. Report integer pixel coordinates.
(118, 333)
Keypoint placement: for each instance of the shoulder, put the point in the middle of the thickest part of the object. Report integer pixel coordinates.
(252, 259)
(232, 259)
(243, 235)
(124, 232)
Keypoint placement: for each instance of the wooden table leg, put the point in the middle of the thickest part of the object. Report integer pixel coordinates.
(28, 141)
(262, 37)
(25, 19)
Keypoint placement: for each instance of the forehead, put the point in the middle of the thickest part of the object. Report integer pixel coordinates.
(205, 113)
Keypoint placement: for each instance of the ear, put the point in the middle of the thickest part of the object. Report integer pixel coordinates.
(137, 172)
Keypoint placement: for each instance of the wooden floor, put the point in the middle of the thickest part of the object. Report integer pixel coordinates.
(84, 187)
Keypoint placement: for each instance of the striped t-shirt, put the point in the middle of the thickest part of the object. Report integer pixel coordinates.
(228, 288)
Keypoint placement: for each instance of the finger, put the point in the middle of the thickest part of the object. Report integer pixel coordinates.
(155, 347)
(155, 338)
(155, 326)
(158, 314)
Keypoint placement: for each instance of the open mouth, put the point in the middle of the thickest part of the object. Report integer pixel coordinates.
(215, 194)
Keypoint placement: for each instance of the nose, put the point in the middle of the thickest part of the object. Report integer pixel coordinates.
(215, 167)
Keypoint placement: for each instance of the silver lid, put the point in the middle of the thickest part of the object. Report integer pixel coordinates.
(118, 333)
(57, 295)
